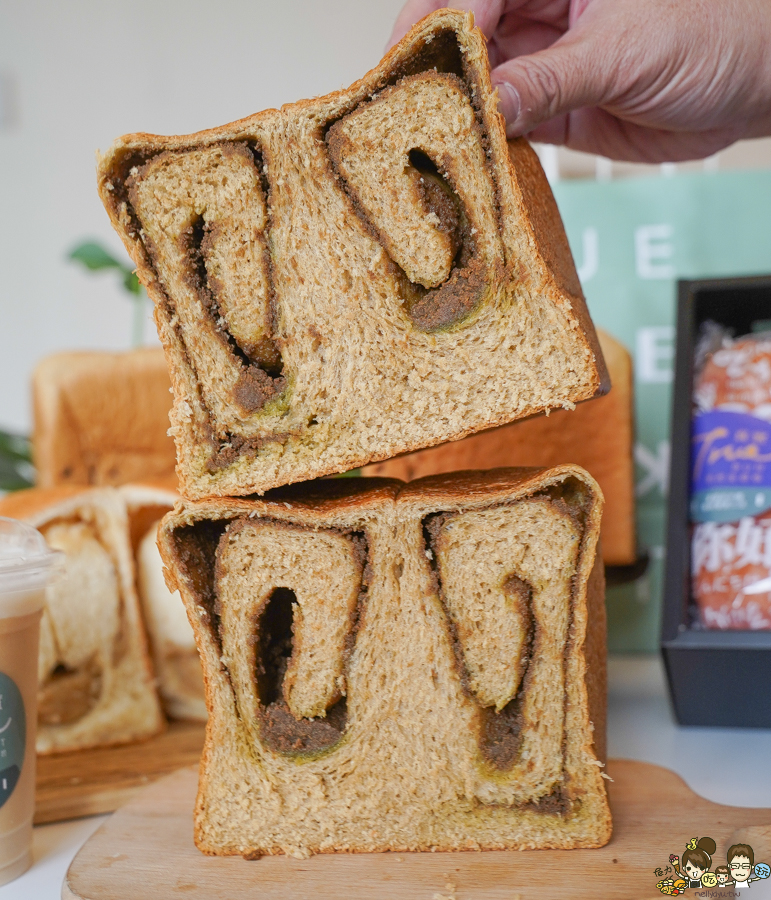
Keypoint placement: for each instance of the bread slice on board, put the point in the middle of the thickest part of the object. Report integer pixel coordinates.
(597, 435)
(355, 276)
(399, 667)
(102, 418)
(96, 680)
(175, 657)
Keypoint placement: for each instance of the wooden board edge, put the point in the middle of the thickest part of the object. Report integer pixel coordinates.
(106, 801)
(641, 788)
(100, 780)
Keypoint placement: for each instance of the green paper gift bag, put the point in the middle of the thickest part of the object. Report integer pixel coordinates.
(632, 240)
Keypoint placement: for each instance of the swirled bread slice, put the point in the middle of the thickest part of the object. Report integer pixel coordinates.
(399, 667)
(96, 681)
(598, 436)
(175, 657)
(356, 276)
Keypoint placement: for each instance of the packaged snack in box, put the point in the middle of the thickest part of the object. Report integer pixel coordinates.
(731, 480)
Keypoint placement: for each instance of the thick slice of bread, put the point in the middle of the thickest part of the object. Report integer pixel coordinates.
(597, 435)
(176, 660)
(96, 681)
(101, 418)
(399, 667)
(355, 276)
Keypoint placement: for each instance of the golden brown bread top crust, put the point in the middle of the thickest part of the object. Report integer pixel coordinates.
(470, 486)
(314, 500)
(30, 503)
(102, 417)
(344, 495)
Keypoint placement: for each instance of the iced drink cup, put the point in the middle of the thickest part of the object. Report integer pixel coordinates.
(26, 565)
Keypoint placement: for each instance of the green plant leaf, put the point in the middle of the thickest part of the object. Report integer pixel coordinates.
(16, 470)
(131, 282)
(15, 446)
(13, 480)
(94, 257)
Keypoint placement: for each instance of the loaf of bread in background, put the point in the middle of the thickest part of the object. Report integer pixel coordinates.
(102, 418)
(354, 276)
(394, 667)
(96, 680)
(597, 435)
(175, 656)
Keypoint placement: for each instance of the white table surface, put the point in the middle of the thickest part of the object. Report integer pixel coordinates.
(725, 765)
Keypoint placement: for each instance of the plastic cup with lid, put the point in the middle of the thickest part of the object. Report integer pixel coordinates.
(27, 564)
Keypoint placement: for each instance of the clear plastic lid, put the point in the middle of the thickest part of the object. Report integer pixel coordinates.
(27, 564)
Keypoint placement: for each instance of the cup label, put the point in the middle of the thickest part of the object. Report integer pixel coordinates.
(13, 736)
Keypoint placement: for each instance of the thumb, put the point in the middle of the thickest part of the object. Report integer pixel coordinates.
(549, 84)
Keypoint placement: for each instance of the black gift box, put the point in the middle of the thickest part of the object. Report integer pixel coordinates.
(715, 677)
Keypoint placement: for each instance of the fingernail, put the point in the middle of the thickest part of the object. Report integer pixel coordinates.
(509, 103)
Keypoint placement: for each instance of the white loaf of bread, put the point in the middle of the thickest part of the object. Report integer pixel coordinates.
(101, 418)
(175, 657)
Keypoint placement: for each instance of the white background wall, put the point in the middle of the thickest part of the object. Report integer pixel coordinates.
(75, 74)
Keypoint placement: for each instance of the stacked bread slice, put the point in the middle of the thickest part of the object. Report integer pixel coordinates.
(356, 276)
(399, 667)
(387, 666)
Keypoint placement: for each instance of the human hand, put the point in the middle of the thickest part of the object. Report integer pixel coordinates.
(638, 80)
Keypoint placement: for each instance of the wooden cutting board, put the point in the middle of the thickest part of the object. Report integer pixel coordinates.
(146, 850)
(88, 782)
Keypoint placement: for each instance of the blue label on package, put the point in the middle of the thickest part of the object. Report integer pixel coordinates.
(13, 735)
(730, 466)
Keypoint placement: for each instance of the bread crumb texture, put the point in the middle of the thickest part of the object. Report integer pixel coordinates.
(355, 276)
(398, 667)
